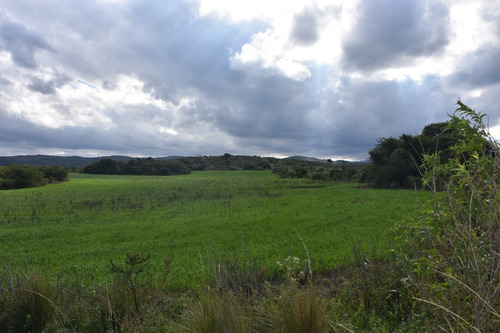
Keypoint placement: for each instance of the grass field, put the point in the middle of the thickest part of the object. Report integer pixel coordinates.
(72, 230)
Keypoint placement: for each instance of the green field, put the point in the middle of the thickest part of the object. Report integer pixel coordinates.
(72, 230)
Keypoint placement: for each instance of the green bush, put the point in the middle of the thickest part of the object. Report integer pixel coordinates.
(22, 176)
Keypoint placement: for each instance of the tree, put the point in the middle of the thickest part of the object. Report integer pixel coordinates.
(104, 166)
(54, 173)
(395, 162)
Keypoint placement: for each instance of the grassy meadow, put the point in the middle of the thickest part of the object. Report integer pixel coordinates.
(72, 230)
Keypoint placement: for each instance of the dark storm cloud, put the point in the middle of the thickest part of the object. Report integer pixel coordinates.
(195, 57)
(167, 46)
(12, 129)
(305, 28)
(289, 117)
(47, 87)
(16, 132)
(365, 111)
(394, 33)
(21, 43)
(271, 106)
(174, 53)
(479, 69)
(107, 85)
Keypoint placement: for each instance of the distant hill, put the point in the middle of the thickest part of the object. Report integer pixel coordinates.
(318, 160)
(69, 162)
(305, 158)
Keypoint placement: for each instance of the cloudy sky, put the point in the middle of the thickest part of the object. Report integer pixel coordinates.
(321, 78)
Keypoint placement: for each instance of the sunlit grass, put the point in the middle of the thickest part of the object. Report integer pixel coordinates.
(73, 229)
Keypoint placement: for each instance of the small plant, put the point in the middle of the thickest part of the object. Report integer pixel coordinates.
(292, 269)
(135, 265)
(124, 300)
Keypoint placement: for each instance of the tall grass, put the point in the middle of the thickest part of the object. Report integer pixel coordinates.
(215, 313)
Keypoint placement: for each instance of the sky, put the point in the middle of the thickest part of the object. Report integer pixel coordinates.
(322, 78)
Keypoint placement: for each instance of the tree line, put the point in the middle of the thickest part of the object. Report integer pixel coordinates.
(287, 168)
(138, 166)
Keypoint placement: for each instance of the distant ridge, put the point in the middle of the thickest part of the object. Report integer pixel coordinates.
(78, 162)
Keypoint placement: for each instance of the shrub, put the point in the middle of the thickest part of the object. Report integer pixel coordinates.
(21, 176)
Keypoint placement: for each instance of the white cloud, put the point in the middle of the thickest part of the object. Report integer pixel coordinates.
(267, 52)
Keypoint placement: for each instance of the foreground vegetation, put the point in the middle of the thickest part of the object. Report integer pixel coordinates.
(250, 252)
(204, 224)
